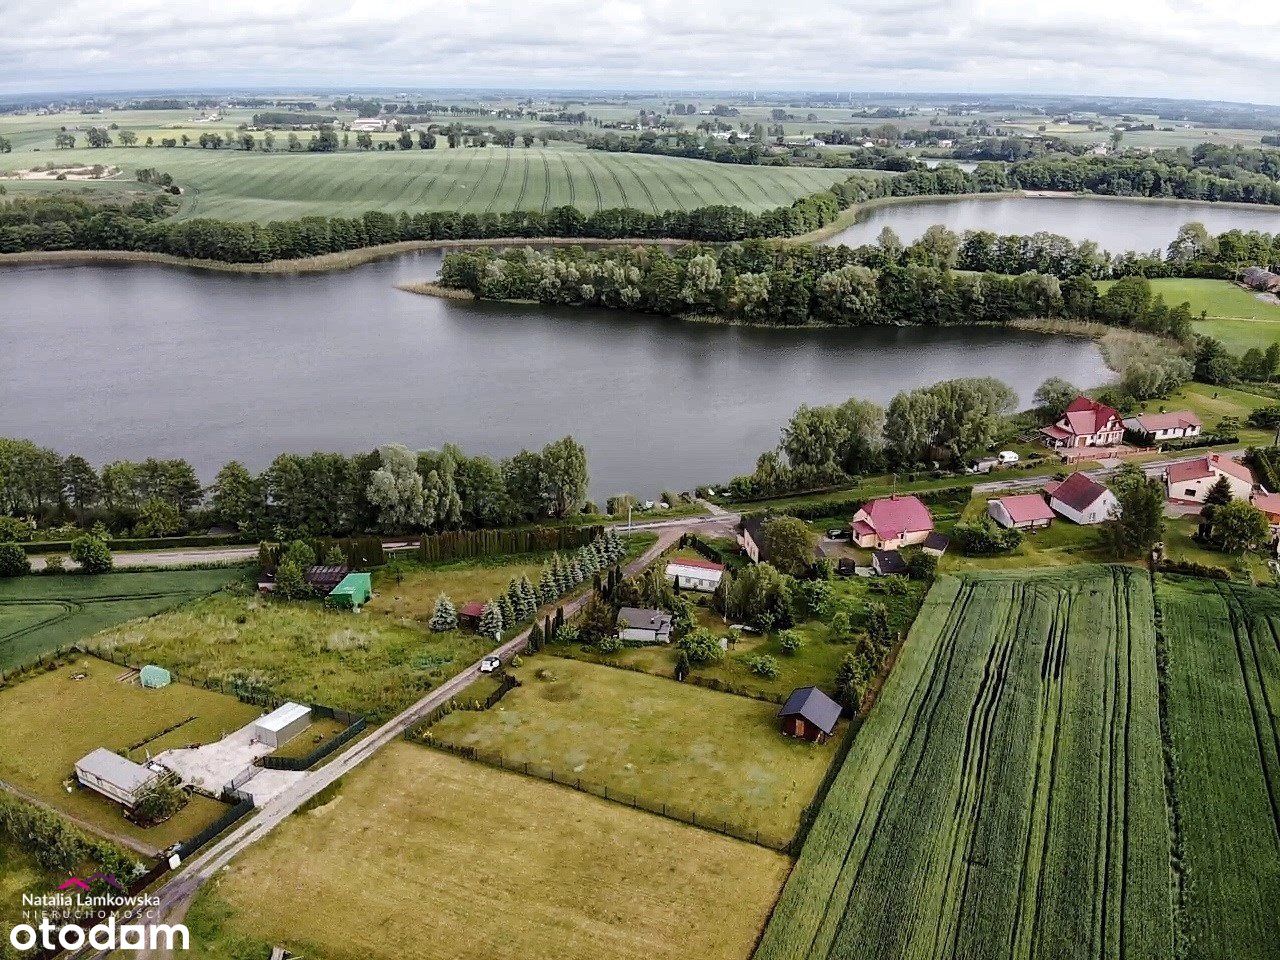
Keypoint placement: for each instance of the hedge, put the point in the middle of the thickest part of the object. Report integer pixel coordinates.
(461, 544)
(144, 543)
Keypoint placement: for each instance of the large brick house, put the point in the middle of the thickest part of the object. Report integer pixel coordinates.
(1085, 423)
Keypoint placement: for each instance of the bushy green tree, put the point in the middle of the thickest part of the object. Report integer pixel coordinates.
(701, 647)
(13, 560)
(1140, 521)
(491, 622)
(91, 554)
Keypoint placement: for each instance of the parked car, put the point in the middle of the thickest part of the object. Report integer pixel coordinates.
(838, 533)
(490, 664)
(1006, 457)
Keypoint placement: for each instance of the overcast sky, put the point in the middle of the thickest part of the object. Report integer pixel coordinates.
(1207, 49)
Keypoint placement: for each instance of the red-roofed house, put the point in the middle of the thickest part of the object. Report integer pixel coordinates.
(1086, 423)
(890, 523)
(1191, 480)
(1154, 427)
(1268, 503)
(1082, 499)
(693, 574)
(1026, 511)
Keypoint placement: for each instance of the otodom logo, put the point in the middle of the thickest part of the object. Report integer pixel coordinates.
(75, 916)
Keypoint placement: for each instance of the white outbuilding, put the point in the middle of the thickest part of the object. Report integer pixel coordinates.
(695, 574)
(115, 777)
(282, 724)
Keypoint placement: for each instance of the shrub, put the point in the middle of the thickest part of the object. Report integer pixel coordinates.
(701, 647)
(609, 644)
(763, 665)
(922, 566)
(13, 560)
(13, 530)
(789, 641)
(54, 564)
(91, 554)
(983, 538)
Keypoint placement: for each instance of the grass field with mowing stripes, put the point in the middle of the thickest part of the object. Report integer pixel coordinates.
(1223, 643)
(1004, 798)
(234, 185)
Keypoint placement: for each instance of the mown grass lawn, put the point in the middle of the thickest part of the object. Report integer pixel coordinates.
(702, 753)
(41, 614)
(1234, 315)
(419, 855)
(1061, 544)
(50, 720)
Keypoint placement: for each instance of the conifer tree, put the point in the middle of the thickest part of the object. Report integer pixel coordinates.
(445, 615)
(491, 622)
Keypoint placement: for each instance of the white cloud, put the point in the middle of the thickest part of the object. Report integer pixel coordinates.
(1210, 49)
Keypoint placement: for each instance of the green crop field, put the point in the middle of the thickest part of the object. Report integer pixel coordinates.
(1005, 796)
(51, 720)
(1224, 724)
(235, 185)
(701, 753)
(422, 855)
(41, 614)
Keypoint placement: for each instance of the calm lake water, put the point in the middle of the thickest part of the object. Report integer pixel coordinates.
(136, 361)
(1115, 224)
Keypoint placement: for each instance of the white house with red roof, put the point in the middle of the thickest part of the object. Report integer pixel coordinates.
(890, 523)
(1082, 499)
(693, 574)
(1024, 511)
(1155, 427)
(1191, 480)
(1085, 423)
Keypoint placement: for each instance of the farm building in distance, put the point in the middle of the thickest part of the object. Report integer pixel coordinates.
(1081, 499)
(1026, 511)
(809, 714)
(695, 574)
(891, 522)
(355, 590)
(643, 625)
(153, 677)
(282, 724)
(1154, 427)
(1085, 423)
(1191, 481)
(114, 777)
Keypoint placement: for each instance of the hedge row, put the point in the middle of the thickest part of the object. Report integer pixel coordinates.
(462, 544)
(143, 543)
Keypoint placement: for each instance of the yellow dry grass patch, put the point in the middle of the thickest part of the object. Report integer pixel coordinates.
(423, 855)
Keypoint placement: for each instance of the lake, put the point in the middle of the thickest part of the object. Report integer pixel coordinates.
(141, 360)
(1115, 224)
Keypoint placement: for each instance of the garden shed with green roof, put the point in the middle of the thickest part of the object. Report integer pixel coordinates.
(153, 677)
(355, 590)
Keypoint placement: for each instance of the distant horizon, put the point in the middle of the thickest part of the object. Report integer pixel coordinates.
(392, 89)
